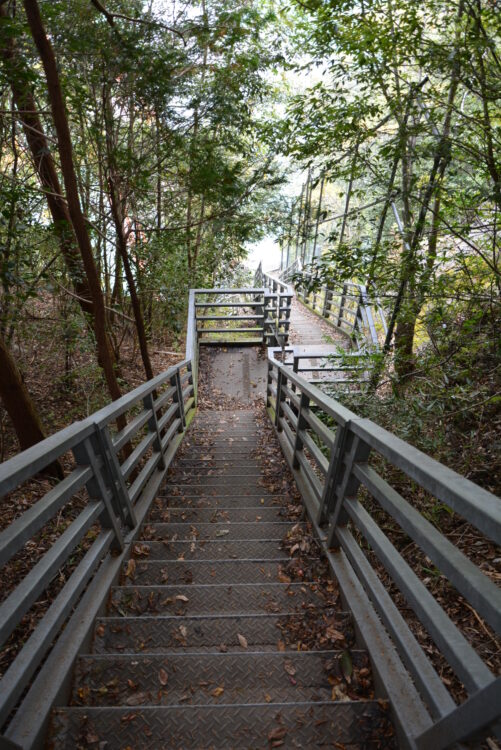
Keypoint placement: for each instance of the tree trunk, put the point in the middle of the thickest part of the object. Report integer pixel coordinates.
(48, 59)
(19, 405)
(46, 169)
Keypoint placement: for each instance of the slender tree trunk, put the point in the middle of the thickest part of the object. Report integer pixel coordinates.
(48, 59)
(46, 169)
(18, 403)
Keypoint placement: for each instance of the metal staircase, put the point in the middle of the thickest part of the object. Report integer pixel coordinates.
(179, 615)
(201, 644)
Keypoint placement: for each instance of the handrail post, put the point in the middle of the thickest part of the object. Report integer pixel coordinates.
(96, 487)
(345, 484)
(341, 304)
(149, 403)
(112, 465)
(304, 404)
(327, 298)
(280, 398)
(178, 399)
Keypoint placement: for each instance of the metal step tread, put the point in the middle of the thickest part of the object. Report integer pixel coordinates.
(240, 598)
(263, 632)
(201, 678)
(227, 530)
(154, 572)
(174, 514)
(210, 549)
(352, 724)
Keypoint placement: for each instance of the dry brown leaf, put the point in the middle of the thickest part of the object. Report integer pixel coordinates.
(130, 570)
(163, 677)
(242, 640)
(218, 691)
(290, 668)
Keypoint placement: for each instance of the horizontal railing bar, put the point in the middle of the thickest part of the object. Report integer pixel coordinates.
(137, 486)
(31, 461)
(472, 502)
(464, 660)
(224, 290)
(30, 588)
(171, 431)
(311, 476)
(164, 397)
(324, 433)
(411, 653)
(187, 392)
(18, 675)
(315, 451)
(291, 417)
(291, 438)
(165, 418)
(335, 410)
(466, 721)
(257, 316)
(469, 580)
(122, 437)
(251, 303)
(131, 461)
(229, 330)
(290, 395)
(22, 529)
(123, 404)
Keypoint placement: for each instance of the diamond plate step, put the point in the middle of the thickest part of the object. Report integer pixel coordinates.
(164, 514)
(187, 531)
(158, 572)
(217, 479)
(241, 598)
(223, 472)
(351, 724)
(223, 501)
(197, 490)
(207, 550)
(266, 632)
(131, 680)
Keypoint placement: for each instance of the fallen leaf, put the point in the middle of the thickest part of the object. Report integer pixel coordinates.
(242, 640)
(182, 598)
(277, 734)
(183, 630)
(217, 692)
(281, 646)
(223, 532)
(346, 665)
(163, 677)
(130, 569)
(290, 668)
(268, 698)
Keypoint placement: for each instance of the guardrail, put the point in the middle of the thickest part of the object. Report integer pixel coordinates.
(114, 472)
(334, 455)
(277, 308)
(349, 308)
(230, 316)
(345, 372)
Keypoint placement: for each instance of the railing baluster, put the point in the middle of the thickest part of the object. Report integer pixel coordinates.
(149, 403)
(178, 399)
(301, 424)
(346, 484)
(117, 481)
(96, 487)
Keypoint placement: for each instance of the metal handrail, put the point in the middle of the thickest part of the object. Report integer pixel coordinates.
(349, 307)
(120, 470)
(277, 308)
(330, 451)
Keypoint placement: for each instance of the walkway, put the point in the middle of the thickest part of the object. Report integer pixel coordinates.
(225, 630)
(308, 329)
